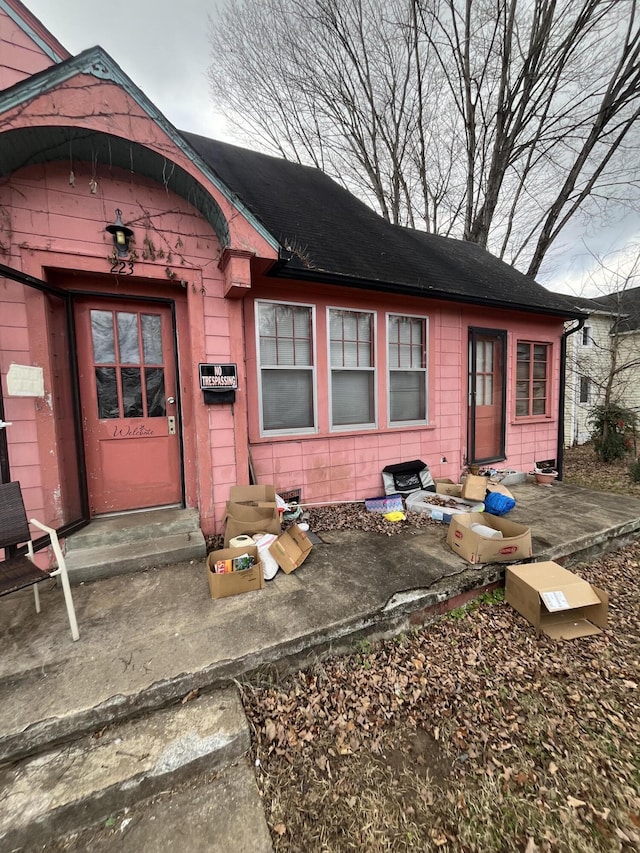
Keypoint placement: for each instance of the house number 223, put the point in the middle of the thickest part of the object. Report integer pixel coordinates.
(122, 268)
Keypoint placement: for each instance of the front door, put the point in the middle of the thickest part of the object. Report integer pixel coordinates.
(486, 421)
(127, 374)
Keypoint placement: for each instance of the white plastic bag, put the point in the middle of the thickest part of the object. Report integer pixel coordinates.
(269, 565)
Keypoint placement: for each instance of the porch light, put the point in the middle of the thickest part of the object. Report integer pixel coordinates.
(121, 235)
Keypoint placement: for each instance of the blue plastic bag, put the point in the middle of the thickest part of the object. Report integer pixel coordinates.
(498, 504)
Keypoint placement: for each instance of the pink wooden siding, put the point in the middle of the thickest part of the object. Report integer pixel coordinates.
(55, 227)
(20, 55)
(337, 465)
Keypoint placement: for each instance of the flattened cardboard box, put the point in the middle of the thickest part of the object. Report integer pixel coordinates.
(471, 546)
(241, 518)
(556, 601)
(234, 583)
(474, 488)
(291, 549)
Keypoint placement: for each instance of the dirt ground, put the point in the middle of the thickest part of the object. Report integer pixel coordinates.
(471, 734)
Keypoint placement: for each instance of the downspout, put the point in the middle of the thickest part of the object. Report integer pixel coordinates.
(563, 388)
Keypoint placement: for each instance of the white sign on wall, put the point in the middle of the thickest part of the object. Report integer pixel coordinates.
(25, 381)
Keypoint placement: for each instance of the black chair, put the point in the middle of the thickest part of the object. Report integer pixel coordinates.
(20, 572)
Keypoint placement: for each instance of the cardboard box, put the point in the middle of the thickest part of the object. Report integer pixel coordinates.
(556, 601)
(234, 583)
(243, 518)
(448, 487)
(252, 495)
(471, 546)
(474, 488)
(291, 549)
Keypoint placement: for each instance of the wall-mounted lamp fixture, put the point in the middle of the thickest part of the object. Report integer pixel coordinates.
(121, 235)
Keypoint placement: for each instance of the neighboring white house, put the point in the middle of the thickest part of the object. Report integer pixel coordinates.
(606, 351)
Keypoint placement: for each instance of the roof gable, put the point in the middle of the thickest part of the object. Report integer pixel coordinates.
(98, 64)
(330, 235)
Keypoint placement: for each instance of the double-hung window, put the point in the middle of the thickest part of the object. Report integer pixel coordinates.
(407, 365)
(352, 366)
(532, 379)
(286, 367)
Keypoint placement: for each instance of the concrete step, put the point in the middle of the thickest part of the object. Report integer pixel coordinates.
(104, 561)
(130, 527)
(223, 814)
(77, 785)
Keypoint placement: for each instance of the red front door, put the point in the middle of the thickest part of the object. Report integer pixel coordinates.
(486, 395)
(127, 372)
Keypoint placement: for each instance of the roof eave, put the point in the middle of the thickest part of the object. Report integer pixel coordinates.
(336, 279)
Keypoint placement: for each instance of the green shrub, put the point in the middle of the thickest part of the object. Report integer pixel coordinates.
(634, 471)
(612, 430)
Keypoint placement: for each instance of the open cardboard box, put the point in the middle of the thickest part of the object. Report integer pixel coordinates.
(252, 495)
(246, 519)
(556, 601)
(515, 543)
(234, 583)
(291, 549)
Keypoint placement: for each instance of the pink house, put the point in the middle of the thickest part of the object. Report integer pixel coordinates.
(176, 313)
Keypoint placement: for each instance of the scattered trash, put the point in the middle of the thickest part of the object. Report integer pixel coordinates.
(386, 503)
(395, 516)
(498, 504)
(407, 477)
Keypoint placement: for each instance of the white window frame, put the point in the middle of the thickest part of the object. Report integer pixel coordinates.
(425, 370)
(313, 367)
(586, 338)
(373, 370)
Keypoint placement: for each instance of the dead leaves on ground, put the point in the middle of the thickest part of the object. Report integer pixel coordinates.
(505, 717)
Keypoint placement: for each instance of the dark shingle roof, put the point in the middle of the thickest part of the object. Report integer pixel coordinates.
(626, 305)
(333, 236)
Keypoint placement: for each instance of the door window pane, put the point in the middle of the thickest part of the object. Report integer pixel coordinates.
(156, 399)
(131, 392)
(107, 391)
(104, 350)
(151, 339)
(128, 343)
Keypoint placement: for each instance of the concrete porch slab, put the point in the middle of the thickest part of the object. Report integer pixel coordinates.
(148, 638)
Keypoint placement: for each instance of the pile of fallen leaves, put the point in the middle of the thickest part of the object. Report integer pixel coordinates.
(471, 734)
(582, 467)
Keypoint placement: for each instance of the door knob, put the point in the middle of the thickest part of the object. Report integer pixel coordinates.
(171, 399)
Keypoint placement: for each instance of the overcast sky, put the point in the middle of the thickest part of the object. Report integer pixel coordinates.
(163, 46)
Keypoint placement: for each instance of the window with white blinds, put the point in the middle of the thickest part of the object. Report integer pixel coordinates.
(286, 367)
(407, 366)
(352, 366)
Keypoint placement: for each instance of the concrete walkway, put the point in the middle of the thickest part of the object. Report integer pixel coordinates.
(148, 639)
